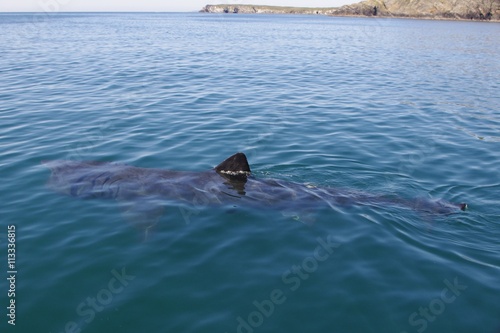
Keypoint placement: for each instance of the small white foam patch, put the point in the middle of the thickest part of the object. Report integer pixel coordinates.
(235, 173)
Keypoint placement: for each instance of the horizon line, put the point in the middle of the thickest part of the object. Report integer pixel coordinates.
(95, 11)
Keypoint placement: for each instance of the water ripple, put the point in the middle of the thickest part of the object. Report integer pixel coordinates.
(399, 108)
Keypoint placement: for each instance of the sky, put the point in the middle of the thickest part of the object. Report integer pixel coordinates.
(148, 5)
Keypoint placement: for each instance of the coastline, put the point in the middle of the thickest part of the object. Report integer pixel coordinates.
(371, 8)
(262, 9)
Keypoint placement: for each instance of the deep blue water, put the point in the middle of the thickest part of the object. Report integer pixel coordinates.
(404, 108)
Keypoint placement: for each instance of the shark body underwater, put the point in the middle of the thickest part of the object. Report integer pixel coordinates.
(229, 184)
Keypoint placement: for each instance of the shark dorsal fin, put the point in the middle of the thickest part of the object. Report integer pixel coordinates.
(234, 167)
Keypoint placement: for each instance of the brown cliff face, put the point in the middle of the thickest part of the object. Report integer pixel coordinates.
(429, 9)
(432, 9)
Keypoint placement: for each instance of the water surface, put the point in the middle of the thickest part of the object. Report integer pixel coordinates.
(396, 107)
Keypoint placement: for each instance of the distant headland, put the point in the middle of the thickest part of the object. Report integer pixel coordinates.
(424, 9)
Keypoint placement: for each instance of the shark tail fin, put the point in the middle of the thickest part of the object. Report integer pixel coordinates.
(234, 167)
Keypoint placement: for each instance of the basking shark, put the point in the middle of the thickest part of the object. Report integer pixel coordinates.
(228, 184)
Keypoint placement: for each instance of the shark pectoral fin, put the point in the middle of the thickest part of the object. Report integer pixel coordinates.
(142, 213)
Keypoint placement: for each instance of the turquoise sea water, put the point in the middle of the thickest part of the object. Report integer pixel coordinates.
(397, 107)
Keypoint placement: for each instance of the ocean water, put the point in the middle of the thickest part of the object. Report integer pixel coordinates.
(404, 108)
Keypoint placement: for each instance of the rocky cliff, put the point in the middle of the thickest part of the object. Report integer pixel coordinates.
(433, 9)
(430, 9)
(251, 9)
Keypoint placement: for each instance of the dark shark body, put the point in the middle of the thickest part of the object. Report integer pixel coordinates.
(230, 183)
